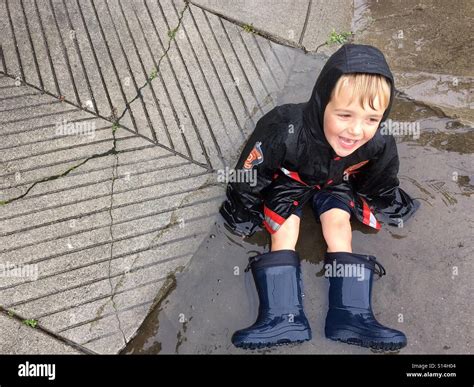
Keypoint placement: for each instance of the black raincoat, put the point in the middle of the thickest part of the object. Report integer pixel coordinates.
(293, 160)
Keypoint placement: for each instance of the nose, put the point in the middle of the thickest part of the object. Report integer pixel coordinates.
(356, 129)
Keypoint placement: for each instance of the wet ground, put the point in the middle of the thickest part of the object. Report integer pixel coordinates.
(427, 46)
(427, 290)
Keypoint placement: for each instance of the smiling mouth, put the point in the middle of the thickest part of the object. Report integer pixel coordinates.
(347, 142)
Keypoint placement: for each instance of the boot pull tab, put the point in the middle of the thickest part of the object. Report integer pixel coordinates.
(378, 268)
(252, 260)
(381, 270)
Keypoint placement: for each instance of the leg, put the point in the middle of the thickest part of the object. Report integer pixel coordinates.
(337, 230)
(287, 235)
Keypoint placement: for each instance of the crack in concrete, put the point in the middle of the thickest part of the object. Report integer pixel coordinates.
(112, 290)
(111, 151)
(172, 222)
(305, 24)
(154, 74)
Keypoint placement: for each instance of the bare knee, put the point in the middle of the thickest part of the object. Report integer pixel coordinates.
(287, 235)
(337, 230)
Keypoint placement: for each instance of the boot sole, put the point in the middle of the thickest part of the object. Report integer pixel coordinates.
(290, 337)
(352, 338)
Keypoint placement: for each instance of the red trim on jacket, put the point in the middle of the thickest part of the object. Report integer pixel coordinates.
(368, 217)
(273, 215)
(365, 212)
(293, 175)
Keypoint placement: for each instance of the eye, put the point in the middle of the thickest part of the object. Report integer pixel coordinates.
(344, 115)
(374, 120)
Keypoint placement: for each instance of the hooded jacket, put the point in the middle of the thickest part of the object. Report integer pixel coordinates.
(287, 159)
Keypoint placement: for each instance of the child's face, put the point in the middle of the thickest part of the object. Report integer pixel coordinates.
(348, 126)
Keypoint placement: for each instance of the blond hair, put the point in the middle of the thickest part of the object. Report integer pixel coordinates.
(365, 87)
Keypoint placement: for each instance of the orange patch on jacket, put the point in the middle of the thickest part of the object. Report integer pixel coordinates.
(255, 157)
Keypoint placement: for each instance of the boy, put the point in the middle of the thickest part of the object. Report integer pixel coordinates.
(329, 152)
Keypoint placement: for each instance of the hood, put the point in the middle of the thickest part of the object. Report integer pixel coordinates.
(350, 58)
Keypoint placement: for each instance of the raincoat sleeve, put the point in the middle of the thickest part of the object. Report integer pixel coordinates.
(379, 185)
(259, 160)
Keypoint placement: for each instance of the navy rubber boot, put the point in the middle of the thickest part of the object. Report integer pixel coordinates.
(350, 318)
(281, 318)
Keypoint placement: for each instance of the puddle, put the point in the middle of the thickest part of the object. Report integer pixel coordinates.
(214, 297)
(427, 47)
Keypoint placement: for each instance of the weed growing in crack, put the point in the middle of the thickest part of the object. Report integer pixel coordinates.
(249, 28)
(115, 126)
(172, 33)
(338, 38)
(154, 74)
(31, 322)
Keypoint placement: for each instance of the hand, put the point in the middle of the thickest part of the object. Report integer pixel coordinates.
(236, 225)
